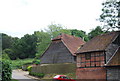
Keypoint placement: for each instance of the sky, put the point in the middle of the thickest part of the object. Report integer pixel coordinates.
(20, 17)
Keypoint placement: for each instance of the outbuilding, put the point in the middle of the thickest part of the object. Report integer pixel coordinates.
(100, 58)
(62, 49)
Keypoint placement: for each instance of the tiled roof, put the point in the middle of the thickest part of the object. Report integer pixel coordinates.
(98, 43)
(71, 42)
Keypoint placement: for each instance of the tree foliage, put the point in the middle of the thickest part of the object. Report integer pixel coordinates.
(19, 48)
(55, 29)
(9, 53)
(79, 33)
(28, 43)
(94, 32)
(30, 46)
(26, 46)
(6, 41)
(110, 14)
(43, 41)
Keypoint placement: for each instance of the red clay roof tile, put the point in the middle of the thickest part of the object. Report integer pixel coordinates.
(71, 42)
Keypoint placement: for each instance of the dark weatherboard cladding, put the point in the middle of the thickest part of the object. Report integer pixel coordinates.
(57, 53)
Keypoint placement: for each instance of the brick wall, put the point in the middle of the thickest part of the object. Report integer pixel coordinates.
(55, 68)
(91, 73)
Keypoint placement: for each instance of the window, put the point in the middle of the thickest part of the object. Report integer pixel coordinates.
(63, 77)
(87, 56)
(74, 58)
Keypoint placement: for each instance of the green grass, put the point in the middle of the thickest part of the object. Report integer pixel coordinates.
(14, 80)
(17, 64)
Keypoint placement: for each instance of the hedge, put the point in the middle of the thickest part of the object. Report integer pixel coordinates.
(40, 75)
(6, 70)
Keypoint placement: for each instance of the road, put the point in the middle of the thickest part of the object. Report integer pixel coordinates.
(22, 76)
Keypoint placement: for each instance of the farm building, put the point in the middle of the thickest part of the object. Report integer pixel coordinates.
(100, 58)
(62, 49)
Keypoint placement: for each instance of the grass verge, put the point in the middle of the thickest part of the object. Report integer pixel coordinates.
(14, 80)
(17, 64)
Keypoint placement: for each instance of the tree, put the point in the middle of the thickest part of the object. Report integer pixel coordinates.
(43, 41)
(55, 29)
(111, 15)
(94, 32)
(16, 47)
(6, 41)
(10, 53)
(7, 46)
(27, 46)
(79, 33)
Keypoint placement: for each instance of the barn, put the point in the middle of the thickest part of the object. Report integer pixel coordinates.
(100, 58)
(62, 49)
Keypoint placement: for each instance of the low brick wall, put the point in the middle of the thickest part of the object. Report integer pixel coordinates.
(55, 68)
(98, 73)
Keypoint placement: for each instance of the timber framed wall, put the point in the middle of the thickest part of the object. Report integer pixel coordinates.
(92, 59)
(90, 66)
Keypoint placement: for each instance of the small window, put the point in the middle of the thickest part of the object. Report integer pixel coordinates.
(87, 56)
(74, 58)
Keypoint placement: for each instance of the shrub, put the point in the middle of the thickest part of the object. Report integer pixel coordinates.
(6, 70)
(29, 68)
(17, 64)
(36, 61)
(40, 75)
(10, 53)
(5, 56)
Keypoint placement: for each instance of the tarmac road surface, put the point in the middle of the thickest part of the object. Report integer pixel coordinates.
(22, 76)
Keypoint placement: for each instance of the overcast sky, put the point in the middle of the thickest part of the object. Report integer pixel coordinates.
(19, 17)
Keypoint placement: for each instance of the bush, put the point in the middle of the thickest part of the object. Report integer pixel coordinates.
(29, 68)
(6, 70)
(10, 53)
(36, 61)
(17, 64)
(5, 56)
(40, 75)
